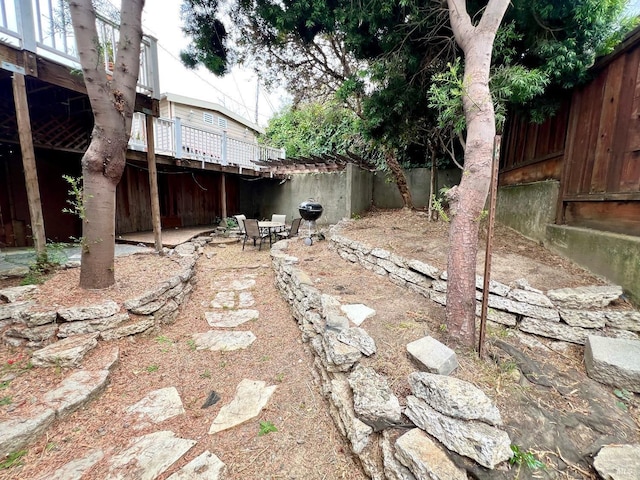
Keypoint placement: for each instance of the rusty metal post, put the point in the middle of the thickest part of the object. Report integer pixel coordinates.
(495, 161)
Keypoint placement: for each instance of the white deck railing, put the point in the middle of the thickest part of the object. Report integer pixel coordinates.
(44, 27)
(181, 141)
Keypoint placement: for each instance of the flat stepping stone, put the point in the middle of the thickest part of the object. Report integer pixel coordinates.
(13, 294)
(251, 397)
(357, 312)
(204, 466)
(76, 390)
(224, 300)
(242, 284)
(246, 300)
(75, 469)
(230, 319)
(65, 353)
(226, 341)
(19, 432)
(613, 361)
(148, 456)
(157, 406)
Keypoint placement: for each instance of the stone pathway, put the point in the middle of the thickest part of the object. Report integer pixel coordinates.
(148, 456)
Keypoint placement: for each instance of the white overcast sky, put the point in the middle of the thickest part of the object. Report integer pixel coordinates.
(236, 91)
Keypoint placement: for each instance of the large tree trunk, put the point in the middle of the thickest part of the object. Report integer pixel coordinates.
(468, 199)
(98, 237)
(112, 102)
(401, 179)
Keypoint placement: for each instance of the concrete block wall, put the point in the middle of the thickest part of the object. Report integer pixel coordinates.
(528, 208)
(612, 255)
(385, 191)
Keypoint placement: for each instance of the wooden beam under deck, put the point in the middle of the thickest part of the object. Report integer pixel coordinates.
(196, 165)
(62, 76)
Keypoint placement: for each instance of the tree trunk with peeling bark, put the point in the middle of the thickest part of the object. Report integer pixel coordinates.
(401, 179)
(112, 101)
(468, 198)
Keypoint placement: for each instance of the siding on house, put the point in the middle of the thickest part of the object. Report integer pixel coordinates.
(196, 113)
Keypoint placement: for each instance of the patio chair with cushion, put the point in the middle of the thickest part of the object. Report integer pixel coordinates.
(252, 231)
(293, 231)
(240, 219)
(279, 218)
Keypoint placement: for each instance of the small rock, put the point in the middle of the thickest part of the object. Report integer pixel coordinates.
(357, 312)
(425, 459)
(358, 338)
(373, 400)
(613, 361)
(454, 397)
(434, 356)
(585, 297)
(618, 462)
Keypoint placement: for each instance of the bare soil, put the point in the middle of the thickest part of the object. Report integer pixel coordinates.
(561, 423)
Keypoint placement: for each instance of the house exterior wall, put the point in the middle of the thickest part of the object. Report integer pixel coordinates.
(194, 117)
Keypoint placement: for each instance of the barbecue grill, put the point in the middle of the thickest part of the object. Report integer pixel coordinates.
(310, 211)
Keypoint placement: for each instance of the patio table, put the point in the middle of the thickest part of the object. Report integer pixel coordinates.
(271, 227)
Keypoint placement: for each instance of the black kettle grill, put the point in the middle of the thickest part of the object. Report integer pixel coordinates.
(310, 211)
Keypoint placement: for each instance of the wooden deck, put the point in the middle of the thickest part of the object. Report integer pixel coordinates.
(170, 236)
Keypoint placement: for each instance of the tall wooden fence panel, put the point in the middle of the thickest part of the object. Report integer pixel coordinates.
(533, 152)
(601, 176)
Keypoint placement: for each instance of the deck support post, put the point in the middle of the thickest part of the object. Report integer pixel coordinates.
(29, 163)
(223, 195)
(153, 184)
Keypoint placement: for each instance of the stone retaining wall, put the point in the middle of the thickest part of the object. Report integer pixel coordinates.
(22, 323)
(567, 314)
(363, 405)
(361, 402)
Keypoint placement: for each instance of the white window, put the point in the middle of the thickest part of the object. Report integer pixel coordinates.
(222, 122)
(207, 118)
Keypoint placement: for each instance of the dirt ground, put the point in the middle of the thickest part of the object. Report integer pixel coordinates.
(562, 423)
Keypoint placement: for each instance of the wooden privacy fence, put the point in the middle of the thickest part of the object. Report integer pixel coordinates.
(592, 146)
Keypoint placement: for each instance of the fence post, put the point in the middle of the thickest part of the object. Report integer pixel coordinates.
(177, 134)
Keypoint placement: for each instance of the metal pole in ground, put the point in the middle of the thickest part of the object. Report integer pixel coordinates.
(495, 161)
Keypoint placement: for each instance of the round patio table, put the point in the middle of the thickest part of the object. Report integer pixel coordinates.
(271, 227)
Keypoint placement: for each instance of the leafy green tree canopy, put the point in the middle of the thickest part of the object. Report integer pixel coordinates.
(209, 47)
(315, 129)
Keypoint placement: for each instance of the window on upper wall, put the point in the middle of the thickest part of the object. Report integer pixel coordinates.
(222, 122)
(207, 118)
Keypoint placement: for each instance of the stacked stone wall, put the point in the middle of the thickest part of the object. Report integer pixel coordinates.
(566, 314)
(25, 324)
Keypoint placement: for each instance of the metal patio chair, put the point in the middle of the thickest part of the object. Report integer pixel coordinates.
(293, 231)
(240, 219)
(252, 231)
